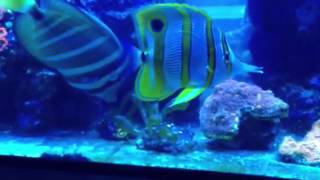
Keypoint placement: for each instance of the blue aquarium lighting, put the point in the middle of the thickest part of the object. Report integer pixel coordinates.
(229, 86)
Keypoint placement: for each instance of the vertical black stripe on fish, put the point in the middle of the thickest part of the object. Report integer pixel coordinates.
(74, 42)
(159, 58)
(95, 74)
(210, 43)
(47, 24)
(211, 52)
(54, 25)
(187, 29)
(199, 48)
(96, 65)
(62, 37)
(226, 53)
(77, 53)
(101, 82)
(110, 94)
(85, 54)
(173, 52)
(126, 104)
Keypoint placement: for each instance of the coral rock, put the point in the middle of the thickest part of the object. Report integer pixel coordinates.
(232, 102)
(306, 151)
(167, 138)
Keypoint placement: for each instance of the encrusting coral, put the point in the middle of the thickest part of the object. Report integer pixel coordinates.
(231, 101)
(306, 151)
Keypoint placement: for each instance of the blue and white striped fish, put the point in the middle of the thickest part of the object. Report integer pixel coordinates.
(84, 50)
(181, 49)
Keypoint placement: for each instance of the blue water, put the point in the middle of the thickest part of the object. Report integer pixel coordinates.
(234, 127)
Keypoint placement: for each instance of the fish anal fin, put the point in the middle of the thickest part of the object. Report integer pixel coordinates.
(187, 95)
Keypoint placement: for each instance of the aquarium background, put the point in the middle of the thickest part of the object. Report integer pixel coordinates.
(42, 116)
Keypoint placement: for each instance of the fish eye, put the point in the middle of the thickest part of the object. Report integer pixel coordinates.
(157, 25)
(143, 57)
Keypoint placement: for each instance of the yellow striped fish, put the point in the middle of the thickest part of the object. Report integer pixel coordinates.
(84, 50)
(181, 49)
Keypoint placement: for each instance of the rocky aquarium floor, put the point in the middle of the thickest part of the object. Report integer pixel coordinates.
(98, 150)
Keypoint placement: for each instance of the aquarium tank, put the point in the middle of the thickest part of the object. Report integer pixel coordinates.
(230, 86)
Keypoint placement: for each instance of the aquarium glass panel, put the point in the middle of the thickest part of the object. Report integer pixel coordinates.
(229, 86)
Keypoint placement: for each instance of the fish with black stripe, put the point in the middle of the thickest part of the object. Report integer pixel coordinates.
(79, 46)
(181, 49)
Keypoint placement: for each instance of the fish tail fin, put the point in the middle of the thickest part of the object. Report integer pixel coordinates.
(22, 6)
(248, 68)
(241, 68)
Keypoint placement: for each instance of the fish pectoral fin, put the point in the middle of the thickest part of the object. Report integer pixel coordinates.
(187, 95)
(148, 88)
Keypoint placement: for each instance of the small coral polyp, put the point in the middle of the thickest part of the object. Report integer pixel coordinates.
(3, 38)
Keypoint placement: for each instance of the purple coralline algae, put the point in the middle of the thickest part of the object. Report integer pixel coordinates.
(8, 42)
(5, 31)
(232, 103)
(3, 38)
(306, 151)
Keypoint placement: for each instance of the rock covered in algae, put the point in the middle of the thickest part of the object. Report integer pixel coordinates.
(166, 137)
(232, 103)
(306, 151)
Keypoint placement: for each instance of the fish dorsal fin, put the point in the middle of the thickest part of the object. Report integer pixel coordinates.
(148, 88)
(187, 95)
(165, 9)
(176, 6)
